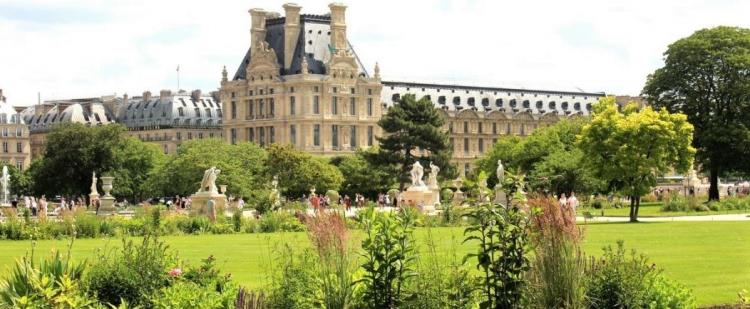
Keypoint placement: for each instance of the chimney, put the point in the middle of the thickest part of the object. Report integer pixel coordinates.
(196, 94)
(291, 32)
(164, 94)
(257, 27)
(146, 95)
(338, 26)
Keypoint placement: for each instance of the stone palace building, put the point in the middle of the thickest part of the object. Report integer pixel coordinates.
(14, 135)
(301, 83)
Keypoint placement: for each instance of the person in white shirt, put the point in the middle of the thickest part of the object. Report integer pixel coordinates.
(563, 200)
(573, 201)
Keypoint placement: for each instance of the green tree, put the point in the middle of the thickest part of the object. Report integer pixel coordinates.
(549, 156)
(362, 177)
(73, 151)
(706, 76)
(411, 127)
(630, 149)
(242, 168)
(20, 181)
(299, 172)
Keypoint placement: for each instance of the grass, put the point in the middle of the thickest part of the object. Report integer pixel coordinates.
(652, 210)
(712, 258)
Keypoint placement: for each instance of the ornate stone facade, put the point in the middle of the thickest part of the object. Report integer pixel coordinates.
(14, 134)
(301, 83)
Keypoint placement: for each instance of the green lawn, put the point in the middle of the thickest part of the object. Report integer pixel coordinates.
(653, 210)
(712, 258)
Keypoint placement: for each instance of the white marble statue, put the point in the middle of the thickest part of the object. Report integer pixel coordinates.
(93, 184)
(432, 181)
(208, 184)
(5, 181)
(500, 171)
(417, 172)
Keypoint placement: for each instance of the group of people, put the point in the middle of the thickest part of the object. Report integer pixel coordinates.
(179, 202)
(570, 202)
(320, 201)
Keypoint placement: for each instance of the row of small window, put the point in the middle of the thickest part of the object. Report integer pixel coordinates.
(480, 128)
(198, 122)
(261, 139)
(182, 101)
(7, 132)
(270, 110)
(6, 147)
(178, 136)
(499, 102)
(181, 112)
(14, 118)
(493, 93)
(19, 163)
(316, 89)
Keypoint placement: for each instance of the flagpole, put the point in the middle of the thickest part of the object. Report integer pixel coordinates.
(178, 78)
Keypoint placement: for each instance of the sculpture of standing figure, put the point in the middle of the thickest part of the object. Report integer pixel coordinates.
(417, 172)
(432, 181)
(500, 172)
(93, 184)
(5, 181)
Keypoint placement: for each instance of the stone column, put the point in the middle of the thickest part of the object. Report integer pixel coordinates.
(291, 32)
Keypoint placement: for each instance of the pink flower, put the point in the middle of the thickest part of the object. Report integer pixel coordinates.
(175, 272)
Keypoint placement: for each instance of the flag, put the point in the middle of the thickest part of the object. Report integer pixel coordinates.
(178, 68)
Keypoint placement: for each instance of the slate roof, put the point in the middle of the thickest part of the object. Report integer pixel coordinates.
(312, 43)
(176, 110)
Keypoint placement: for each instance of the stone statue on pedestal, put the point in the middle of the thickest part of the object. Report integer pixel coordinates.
(500, 172)
(5, 182)
(93, 184)
(432, 181)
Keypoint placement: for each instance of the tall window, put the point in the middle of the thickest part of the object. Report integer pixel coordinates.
(316, 135)
(494, 128)
(271, 108)
(523, 129)
(480, 127)
(261, 107)
(197, 112)
(19, 165)
(250, 108)
(353, 137)
(453, 144)
(19, 132)
(292, 105)
(179, 136)
(5, 147)
(507, 129)
(180, 112)
(352, 106)
(233, 136)
(262, 136)
(19, 147)
(370, 136)
(481, 145)
(335, 136)
(249, 134)
(293, 134)
(450, 127)
(233, 108)
(334, 105)
(466, 145)
(369, 106)
(466, 127)
(316, 105)
(271, 135)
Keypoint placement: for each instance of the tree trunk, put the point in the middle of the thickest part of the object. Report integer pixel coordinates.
(637, 206)
(633, 216)
(713, 190)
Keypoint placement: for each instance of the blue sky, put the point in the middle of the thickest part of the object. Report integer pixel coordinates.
(77, 48)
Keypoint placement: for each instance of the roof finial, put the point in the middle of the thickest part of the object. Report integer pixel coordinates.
(304, 64)
(224, 74)
(377, 70)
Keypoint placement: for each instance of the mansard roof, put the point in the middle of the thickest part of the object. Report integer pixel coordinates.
(181, 109)
(313, 43)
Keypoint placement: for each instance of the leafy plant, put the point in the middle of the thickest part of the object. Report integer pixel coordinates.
(329, 236)
(389, 253)
(503, 238)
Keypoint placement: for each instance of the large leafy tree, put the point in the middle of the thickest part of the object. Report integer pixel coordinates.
(73, 151)
(549, 156)
(362, 177)
(299, 172)
(707, 77)
(242, 168)
(630, 149)
(413, 131)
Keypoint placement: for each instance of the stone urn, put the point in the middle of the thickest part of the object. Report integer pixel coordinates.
(458, 183)
(223, 189)
(107, 185)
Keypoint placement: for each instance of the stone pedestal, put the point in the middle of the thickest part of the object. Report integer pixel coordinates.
(107, 206)
(500, 196)
(92, 198)
(199, 200)
(416, 196)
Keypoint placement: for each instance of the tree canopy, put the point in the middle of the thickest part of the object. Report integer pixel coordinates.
(73, 151)
(706, 76)
(413, 131)
(630, 149)
(298, 172)
(360, 176)
(550, 158)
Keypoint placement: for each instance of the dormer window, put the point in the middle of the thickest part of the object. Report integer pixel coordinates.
(395, 97)
(513, 103)
(577, 106)
(441, 100)
(456, 100)
(551, 105)
(526, 104)
(471, 102)
(499, 102)
(539, 105)
(564, 105)
(485, 102)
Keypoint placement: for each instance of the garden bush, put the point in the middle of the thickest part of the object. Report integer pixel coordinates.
(294, 283)
(279, 221)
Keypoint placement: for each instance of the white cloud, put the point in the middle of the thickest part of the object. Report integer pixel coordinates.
(91, 48)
